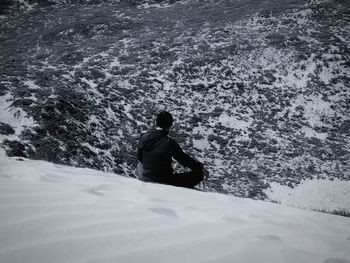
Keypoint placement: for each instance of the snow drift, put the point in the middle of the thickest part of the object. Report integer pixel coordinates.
(53, 213)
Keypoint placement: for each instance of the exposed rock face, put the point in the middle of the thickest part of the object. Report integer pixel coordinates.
(259, 91)
(6, 129)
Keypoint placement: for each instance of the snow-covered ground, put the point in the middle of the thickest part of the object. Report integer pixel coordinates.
(53, 213)
(326, 195)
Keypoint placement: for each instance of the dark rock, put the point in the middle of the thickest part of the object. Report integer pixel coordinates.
(5, 5)
(14, 148)
(6, 129)
(345, 127)
(72, 58)
(3, 88)
(22, 103)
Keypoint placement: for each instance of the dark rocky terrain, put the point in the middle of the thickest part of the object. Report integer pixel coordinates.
(259, 89)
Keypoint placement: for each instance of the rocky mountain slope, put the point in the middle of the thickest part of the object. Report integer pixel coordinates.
(259, 89)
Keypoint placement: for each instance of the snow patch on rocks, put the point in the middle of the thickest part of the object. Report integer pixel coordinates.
(328, 195)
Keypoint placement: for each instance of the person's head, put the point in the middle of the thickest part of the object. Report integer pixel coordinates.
(164, 120)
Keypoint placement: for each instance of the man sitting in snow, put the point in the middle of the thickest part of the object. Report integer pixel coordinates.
(155, 152)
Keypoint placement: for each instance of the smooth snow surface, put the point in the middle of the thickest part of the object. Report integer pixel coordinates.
(52, 213)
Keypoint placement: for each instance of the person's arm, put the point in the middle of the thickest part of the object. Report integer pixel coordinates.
(139, 154)
(139, 151)
(182, 158)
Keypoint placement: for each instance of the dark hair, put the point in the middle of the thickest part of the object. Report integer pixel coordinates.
(164, 120)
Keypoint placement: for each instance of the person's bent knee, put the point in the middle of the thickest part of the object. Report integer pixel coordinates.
(199, 175)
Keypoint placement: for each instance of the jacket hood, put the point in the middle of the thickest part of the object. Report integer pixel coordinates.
(151, 140)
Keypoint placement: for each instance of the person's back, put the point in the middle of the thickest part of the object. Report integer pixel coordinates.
(155, 155)
(155, 152)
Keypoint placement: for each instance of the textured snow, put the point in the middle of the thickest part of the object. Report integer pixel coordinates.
(308, 132)
(25, 5)
(15, 117)
(326, 195)
(31, 84)
(233, 122)
(314, 109)
(54, 213)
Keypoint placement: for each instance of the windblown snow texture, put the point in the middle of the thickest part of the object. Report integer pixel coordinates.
(259, 89)
(52, 213)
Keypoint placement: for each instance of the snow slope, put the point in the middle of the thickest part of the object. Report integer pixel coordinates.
(327, 195)
(53, 213)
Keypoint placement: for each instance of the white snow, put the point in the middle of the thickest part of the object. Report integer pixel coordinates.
(31, 84)
(25, 5)
(314, 109)
(115, 63)
(53, 213)
(309, 133)
(236, 123)
(13, 116)
(201, 143)
(91, 83)
(272, 134)
(316, 194)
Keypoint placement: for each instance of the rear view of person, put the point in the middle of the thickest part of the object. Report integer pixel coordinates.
(156, 151)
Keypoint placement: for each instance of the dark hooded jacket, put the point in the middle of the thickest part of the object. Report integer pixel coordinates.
(156, 150)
